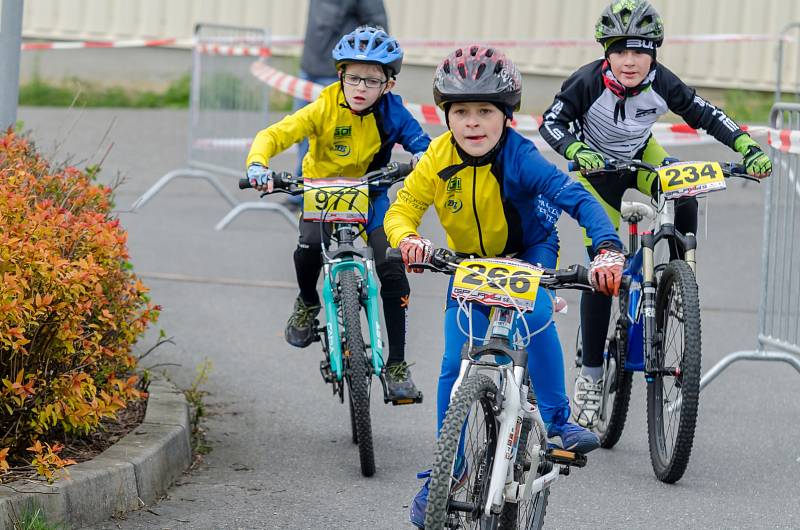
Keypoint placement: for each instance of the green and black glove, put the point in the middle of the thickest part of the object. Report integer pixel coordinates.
(756, 162)
(585, 157)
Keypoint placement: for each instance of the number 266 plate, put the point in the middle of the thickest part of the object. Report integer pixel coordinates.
(500, 282)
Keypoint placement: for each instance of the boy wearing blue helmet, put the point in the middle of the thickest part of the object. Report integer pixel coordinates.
(352, 128)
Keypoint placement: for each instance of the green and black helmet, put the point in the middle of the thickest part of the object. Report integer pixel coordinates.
(630, 18)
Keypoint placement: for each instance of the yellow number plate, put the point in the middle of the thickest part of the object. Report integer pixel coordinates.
(500, 282)
(686, 179)
(335, 200)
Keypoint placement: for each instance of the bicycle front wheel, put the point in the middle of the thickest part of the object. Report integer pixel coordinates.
(359, 374)
(617, 382)
(463, 459)
(673, 394)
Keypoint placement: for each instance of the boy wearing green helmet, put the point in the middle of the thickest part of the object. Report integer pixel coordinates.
(606, 110)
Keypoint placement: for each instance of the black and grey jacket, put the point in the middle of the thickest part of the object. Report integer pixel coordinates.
(584, 110)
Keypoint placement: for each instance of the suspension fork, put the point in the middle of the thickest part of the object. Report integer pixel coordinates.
(649, 302)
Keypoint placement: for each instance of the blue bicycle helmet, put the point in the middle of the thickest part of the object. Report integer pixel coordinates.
(371, 45)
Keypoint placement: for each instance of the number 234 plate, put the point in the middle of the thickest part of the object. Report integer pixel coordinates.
(686, 179)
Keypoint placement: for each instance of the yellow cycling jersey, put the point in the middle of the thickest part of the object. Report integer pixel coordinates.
(469, 204)
(342, 143)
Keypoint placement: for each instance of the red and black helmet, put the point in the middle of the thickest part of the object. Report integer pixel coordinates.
(475, 73)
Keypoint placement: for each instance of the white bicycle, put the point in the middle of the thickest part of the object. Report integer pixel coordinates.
(492, 466)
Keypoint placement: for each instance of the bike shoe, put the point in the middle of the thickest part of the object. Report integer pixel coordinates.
(399, 385)
(300, 330)
(420, 502)
(564, 435)
(586, 401)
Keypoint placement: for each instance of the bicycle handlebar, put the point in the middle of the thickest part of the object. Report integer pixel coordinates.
(729, 169)
(445, 261)
(288, 183)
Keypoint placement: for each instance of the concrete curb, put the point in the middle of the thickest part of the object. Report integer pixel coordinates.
(136, 470)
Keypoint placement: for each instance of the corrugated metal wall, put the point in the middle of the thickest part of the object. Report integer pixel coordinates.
(745, 65)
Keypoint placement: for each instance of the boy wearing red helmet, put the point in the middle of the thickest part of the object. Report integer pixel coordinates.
(495, 195)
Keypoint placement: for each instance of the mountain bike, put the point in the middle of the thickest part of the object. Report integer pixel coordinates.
(655, 325)
(341, 206)
(493, 437)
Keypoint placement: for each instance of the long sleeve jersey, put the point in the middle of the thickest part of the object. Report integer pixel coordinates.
(342, 143)
(495, 209)
(584, 110)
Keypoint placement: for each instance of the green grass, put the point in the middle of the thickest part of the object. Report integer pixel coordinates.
(218, 94)
(748, 106)
(35, 520)
(84, 94)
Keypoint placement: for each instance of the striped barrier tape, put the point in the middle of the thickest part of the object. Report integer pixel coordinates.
(666, 133)
(289, 40)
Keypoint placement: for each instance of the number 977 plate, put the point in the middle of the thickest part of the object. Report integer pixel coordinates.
(335, 200)
(687, 179)
(500, 282)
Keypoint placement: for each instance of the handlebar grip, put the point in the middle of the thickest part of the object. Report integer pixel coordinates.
(573, 166)
(582, 275)
(244, 184)
(393, 255)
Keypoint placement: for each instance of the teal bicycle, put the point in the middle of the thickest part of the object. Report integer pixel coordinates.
(341, 206)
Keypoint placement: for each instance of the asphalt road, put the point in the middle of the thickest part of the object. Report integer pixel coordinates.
(282, 456)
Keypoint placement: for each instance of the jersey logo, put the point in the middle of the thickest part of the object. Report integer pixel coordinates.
(453, 204)
(644, 112)
(342, 131)
(454, 184)
(341, 149)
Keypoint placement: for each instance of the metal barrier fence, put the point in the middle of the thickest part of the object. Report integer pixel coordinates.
(779, 310)
(228, 105)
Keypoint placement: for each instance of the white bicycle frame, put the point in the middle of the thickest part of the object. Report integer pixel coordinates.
(502, 486)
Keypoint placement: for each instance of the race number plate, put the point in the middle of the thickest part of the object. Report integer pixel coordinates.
(500, 282)
(687, 179)
(335, 200)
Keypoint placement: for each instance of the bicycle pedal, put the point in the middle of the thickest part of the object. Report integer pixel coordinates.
(405, 401)
(567, 458)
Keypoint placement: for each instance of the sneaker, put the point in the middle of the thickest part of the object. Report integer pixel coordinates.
(399, 385)
(586, 401)
(300, 330)
(420, 502)
(571, 437)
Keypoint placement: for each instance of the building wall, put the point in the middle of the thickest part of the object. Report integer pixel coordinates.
(726, 64)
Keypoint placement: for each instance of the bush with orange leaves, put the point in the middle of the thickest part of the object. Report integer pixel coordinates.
(70, 308)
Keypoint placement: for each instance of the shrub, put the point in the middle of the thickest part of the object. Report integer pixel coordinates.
(70, 308)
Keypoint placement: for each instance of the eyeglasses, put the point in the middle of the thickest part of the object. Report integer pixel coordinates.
(369, 82)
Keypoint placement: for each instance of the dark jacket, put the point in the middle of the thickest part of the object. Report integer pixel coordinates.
(328, 21)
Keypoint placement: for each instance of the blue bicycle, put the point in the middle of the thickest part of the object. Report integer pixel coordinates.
(655, 325)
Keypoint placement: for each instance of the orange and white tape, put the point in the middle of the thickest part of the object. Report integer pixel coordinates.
(289, 40)
(667, 134)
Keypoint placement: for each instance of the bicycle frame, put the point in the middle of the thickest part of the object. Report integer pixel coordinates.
(347, 256)
(514, 407)
(641, 269)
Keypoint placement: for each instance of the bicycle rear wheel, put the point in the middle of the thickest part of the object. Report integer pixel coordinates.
(458, 502)
(673, 394)
(617, 381)
(358, 375)
(528, 514)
